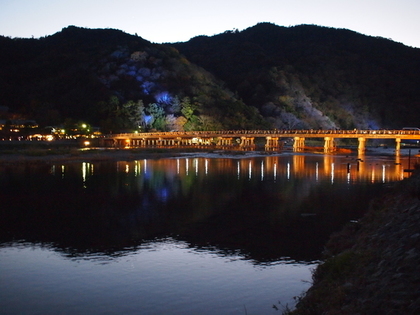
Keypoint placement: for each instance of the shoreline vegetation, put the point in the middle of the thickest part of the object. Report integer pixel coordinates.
(371, 266)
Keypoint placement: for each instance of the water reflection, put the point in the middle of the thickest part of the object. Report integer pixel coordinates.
(165, 276)
(267, 208)
(354, 170)
(204, 235)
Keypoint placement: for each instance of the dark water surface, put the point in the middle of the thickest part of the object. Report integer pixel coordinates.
(175, 236)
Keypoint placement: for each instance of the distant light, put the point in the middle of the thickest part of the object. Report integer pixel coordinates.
(86, 143)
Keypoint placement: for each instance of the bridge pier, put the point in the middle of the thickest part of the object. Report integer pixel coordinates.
(247, 142)
(166, 142)
(224, 141)
(398, 145)
(298, 144)
(272, 143)
(362, 145)
(186, 141)
(329, 144)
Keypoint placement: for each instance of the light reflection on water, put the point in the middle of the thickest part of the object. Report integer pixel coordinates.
(164, 277)
(377, 169)
(175, 236)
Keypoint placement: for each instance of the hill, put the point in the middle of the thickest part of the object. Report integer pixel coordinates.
(114, 80)
(266, 76)
(310, 76)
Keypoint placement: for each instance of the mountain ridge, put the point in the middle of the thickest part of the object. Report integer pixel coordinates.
(266, 76)
(312, 54)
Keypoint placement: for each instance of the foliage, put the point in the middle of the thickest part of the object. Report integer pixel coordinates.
(263, 77)
(315, 76)
(189, 111)
(113, 80)
(157, 116)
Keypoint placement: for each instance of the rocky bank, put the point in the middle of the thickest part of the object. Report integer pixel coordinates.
(372, 266)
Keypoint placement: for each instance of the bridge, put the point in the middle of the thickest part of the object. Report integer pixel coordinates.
(246, 139)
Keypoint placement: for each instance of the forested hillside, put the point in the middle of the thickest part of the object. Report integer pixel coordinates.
(310, 76)
(266, 76)
(116, 81)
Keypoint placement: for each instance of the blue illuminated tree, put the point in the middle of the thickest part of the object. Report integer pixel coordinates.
(157, 113)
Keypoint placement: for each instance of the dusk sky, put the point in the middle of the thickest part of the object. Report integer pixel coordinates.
(172, 21)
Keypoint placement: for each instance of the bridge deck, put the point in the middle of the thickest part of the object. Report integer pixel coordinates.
(246, 138)
(367, 134)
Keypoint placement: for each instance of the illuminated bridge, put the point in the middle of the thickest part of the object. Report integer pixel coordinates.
(246, 139)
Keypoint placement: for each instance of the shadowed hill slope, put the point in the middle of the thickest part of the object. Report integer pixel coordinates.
(115, 80)
(312, 76)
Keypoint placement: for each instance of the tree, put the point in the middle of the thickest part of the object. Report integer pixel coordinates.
(175, 123)
(133, 114)
(130, 115)
(157, 119)
(188, 110)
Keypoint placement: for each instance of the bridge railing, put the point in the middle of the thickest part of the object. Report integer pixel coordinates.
(287, 132)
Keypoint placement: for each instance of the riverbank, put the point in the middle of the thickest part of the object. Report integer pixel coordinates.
(97, 155)
(371, 266)
(71, 153)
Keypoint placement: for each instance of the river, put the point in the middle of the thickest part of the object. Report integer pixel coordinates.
(190, 235)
